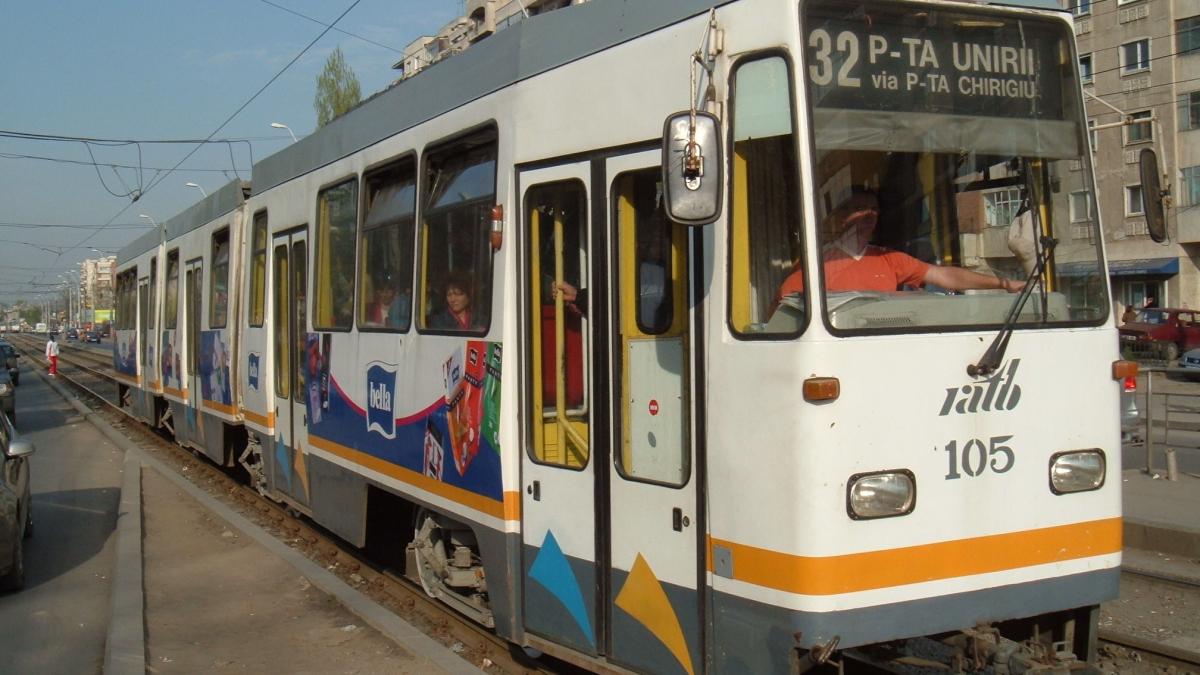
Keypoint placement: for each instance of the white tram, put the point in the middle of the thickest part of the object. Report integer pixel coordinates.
(720, 455)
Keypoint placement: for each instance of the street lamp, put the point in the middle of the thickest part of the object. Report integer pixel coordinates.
(280, 125)
(202, 192)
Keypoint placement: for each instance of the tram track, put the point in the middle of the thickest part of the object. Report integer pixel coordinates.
(398, 594)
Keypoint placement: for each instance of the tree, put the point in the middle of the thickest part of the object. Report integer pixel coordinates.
(337, 89)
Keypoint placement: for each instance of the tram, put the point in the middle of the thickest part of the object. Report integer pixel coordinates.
(579, 318)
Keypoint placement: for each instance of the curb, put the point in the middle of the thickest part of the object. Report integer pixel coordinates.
(1162, 537)
(125, 645)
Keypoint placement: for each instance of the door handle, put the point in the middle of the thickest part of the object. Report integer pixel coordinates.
(535, 489)
(678, 520)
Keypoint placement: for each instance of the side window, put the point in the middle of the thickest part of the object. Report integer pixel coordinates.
(385, 281)
(218, 306)
(457, 196)
(655, 311)
(151, 320)
(280, 281)
(337, 225)
(766, 281)
(171, 301)
(258, 268)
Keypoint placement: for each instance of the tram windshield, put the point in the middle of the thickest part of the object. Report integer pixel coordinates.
(950, 161)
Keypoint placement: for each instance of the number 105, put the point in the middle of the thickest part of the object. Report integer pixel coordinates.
(976, 457)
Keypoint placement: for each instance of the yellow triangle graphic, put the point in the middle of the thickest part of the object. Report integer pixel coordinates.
(645, 600)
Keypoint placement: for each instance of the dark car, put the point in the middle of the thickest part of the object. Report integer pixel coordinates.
(72, 334)
(92, 336)
(1163, 333)
(8, 396)
(9, 355)
(16, 512)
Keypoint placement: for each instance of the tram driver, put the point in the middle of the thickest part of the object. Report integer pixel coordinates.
(852, 263)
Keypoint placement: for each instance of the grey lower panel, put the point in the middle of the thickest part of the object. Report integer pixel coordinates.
(339, 500)
(548, 616)
(753, 637)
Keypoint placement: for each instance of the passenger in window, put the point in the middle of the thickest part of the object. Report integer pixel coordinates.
(654, 307)
(853, 264)
(457, 314)
(390, 306)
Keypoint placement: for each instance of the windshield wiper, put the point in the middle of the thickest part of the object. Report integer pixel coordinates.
(994, 355)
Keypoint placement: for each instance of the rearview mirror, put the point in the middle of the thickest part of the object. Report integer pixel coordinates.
(19, 448)
(692, 168)
(1152, 195)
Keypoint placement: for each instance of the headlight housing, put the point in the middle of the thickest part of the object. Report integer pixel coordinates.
(5, 388)
(881, 494)
(1077, 471)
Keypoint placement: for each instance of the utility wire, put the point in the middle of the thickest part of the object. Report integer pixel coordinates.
(229, 119)
(322, 23)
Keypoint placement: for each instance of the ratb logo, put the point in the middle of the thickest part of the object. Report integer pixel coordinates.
(998, 392)
(381, 395)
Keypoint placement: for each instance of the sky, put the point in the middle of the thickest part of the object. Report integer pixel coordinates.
(160, 70)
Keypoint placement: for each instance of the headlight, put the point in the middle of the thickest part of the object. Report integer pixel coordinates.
(882, 494)
(4, 388)
(1077, 471)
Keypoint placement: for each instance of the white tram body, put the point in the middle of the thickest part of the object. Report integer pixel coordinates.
(696, 465)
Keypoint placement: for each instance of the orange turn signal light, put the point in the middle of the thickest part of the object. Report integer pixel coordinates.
(1124, 369)
(822, 389)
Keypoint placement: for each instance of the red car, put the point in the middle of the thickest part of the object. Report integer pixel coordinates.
(1164, 332)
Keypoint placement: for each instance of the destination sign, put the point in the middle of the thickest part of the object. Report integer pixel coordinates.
(934, 62)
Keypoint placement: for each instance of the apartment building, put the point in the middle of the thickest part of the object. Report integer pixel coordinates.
(96, 286)
(1140, 63)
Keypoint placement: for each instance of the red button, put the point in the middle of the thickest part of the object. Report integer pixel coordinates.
(653, 407)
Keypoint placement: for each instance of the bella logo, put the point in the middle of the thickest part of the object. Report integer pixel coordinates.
(998, 392)
(252, 371)
(381, 394)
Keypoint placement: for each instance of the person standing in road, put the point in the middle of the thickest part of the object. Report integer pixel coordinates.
(52, 355)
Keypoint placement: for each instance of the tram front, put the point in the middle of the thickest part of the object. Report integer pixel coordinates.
(935, 408)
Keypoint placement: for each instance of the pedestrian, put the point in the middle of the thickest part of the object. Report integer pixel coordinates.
(52, 355)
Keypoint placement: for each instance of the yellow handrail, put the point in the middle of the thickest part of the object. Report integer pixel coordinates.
(560, 352)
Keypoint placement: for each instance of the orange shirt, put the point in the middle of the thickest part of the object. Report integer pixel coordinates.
(879, 269)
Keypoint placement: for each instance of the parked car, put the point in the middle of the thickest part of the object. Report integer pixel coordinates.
(8, 396)
(9, 355)
(72, 334)
(16, 506)
(1162, 333)
(92, 336)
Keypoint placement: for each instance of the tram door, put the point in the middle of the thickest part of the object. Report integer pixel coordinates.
(289, 328)
(655, 530)
(143, 340)
(193, 288)
(560, 565)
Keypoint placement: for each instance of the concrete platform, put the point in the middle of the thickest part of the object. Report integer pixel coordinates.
(1162, 515)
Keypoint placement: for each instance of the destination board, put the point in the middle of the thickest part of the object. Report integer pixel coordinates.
(934, 61)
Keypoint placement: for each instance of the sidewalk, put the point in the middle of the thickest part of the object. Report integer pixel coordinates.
(1162, 515)
(199, 588)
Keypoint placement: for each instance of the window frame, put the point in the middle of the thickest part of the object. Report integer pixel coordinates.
(171, 301)
(1148, 116)
(439, 149)
(396, 163)
(256, 302)
(1189, 175)
(1088, 77)
(1071, 214)
(798, 203)
(214, 266)
(317, 277)
(1081, 7)
(1125, 66)
(1184, 105)
(1192, 32)
(1128, 193)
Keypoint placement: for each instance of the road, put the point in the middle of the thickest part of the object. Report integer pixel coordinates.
(58, 623)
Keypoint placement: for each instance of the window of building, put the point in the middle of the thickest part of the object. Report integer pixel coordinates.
(457, 197)
(1133, 200)
(1085, 69)
(1188, 111)
(337, 226)
(1081, 7)
(1000, 206)
(385, 281)
(171, 301)
(1140, 131)
(765, 223)
(1135, 56)
(1081, 207)
(1187, 35)
(258, 268)
(218, 302)
(1189, 186)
